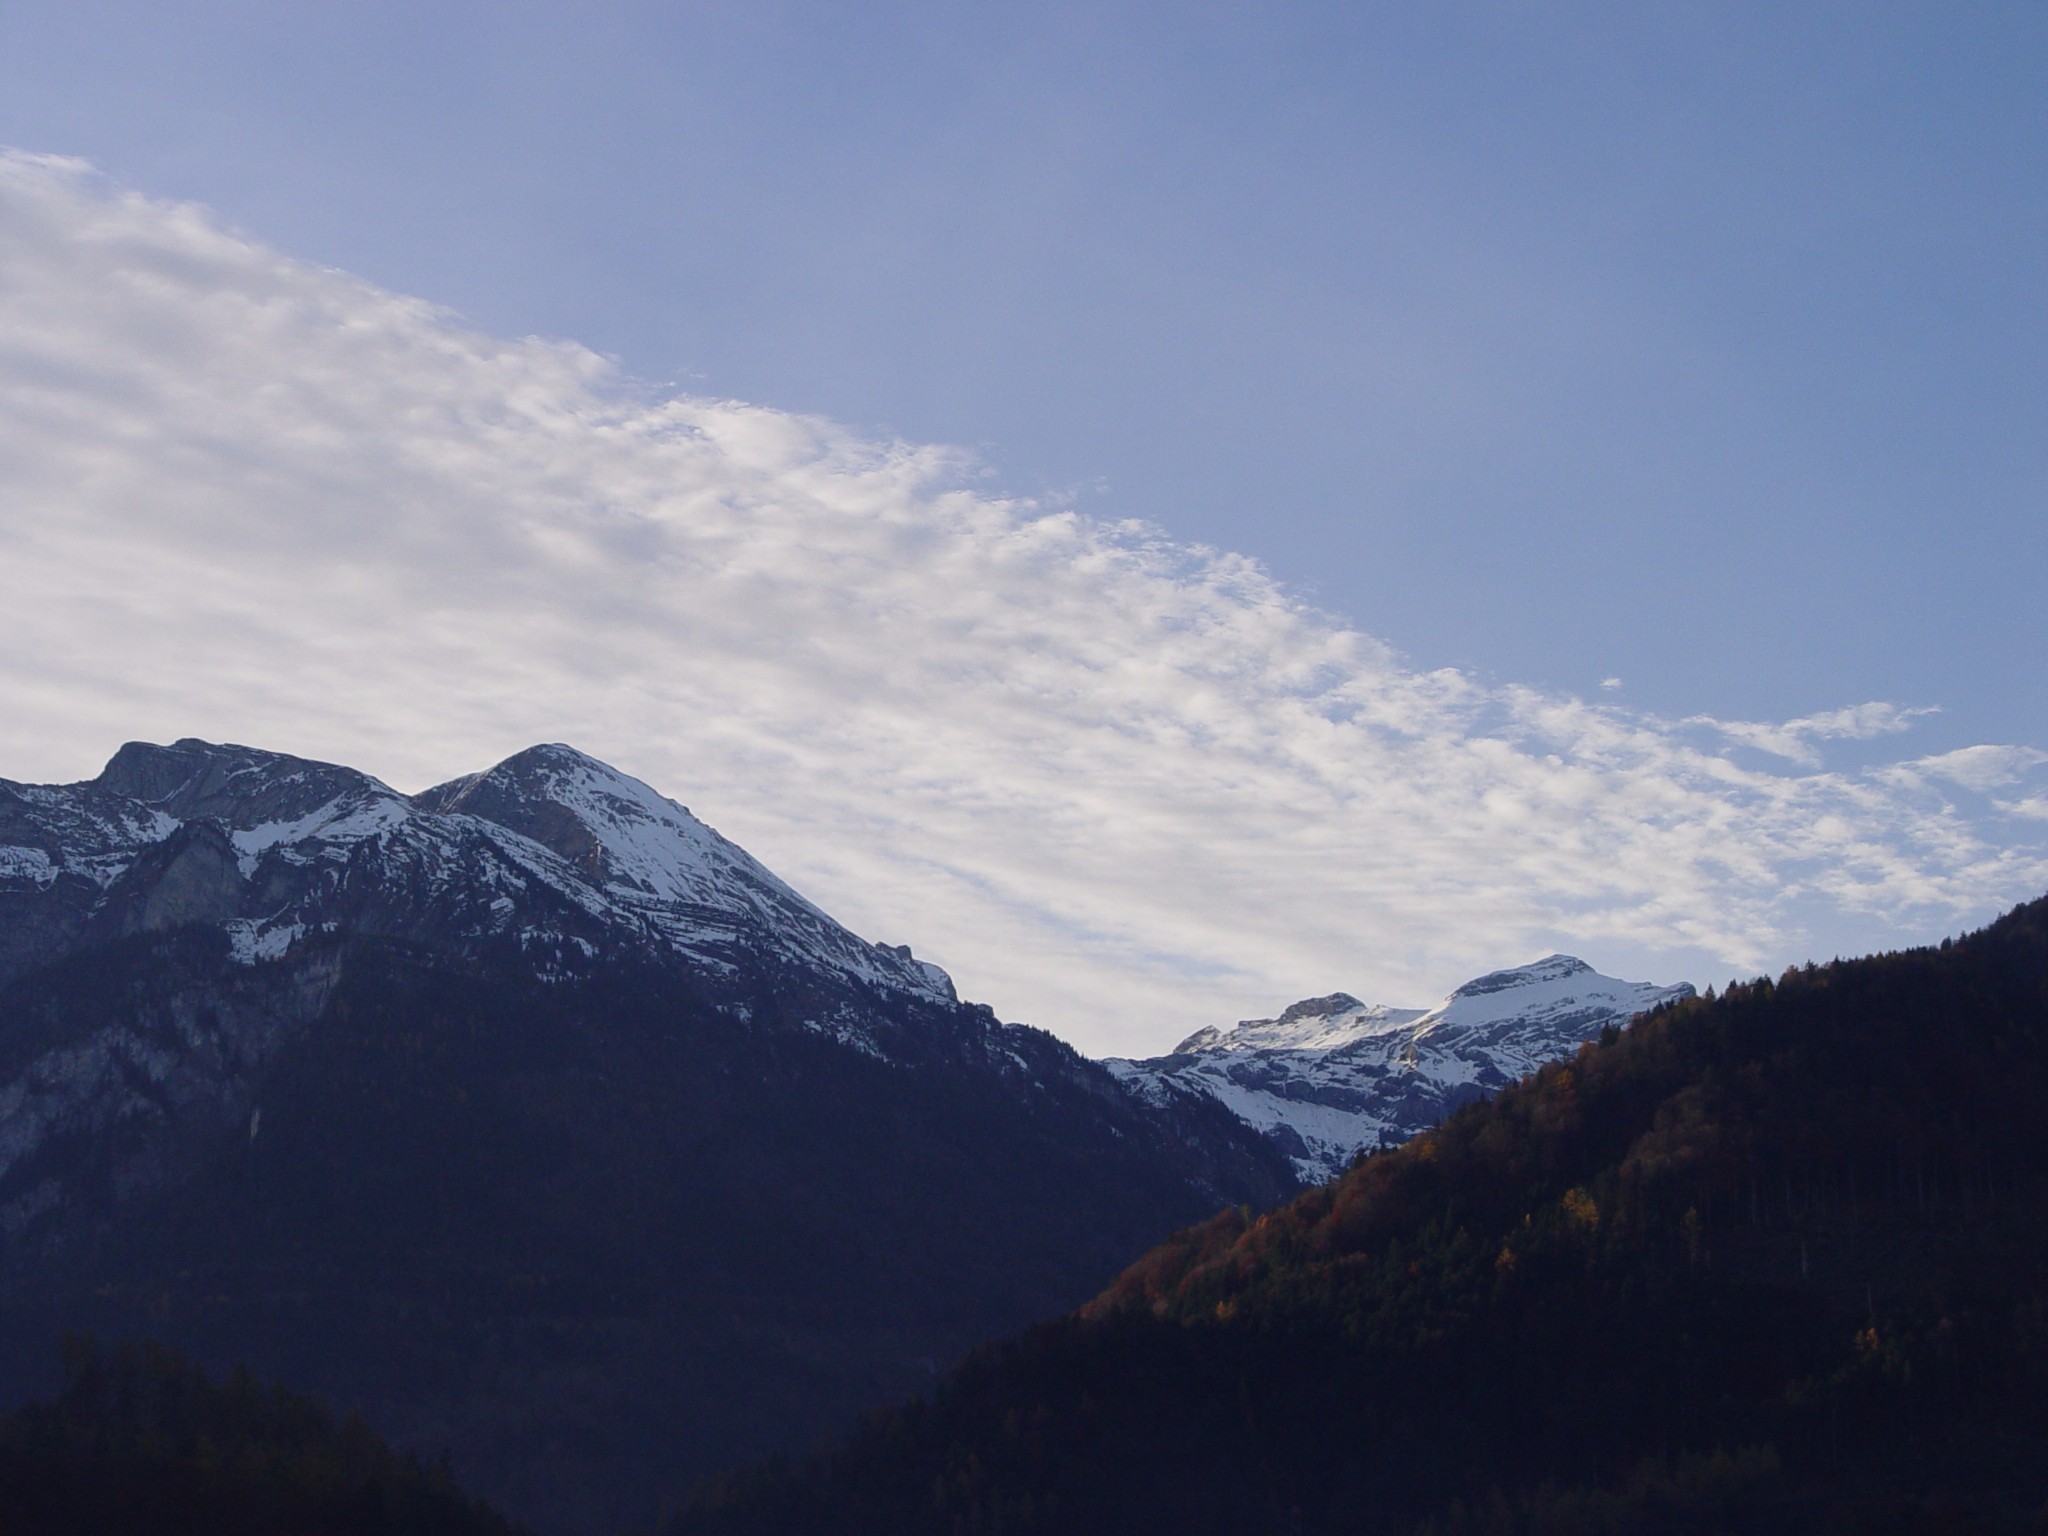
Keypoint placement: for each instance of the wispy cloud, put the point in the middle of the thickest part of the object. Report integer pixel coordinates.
(1797, 741)
(1115, 783)
(1982, 769)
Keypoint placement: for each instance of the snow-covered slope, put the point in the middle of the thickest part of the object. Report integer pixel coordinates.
(551, 855)
(652, 859)
(1331, 1076)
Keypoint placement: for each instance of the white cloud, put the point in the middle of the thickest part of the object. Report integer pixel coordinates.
(1794, 740)
(1982, 769)
(1118, 785)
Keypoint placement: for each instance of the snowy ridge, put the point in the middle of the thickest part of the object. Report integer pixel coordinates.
(652, 859)
(48, 831)
(1313, 1024)
(551, 854)
(1332, 1077)
(329, 831)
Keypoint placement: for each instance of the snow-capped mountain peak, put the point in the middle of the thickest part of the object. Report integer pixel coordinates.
(616, 829)
(243, 788)
(1331, 1076)
(551, 852)
(1313, 1024)
(1551, 968)
(1517, 1016)
(651, 857)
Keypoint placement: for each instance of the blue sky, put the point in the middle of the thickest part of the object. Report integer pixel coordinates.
(1701, 345)
(1697, 346)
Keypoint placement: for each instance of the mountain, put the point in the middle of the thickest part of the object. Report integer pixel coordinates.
(529, 1117)
(543, 863)
(1774, 1262)
(1333, 1077)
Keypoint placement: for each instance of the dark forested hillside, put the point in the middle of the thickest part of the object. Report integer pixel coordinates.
(591, 1238)
(142, 1443)
(1774, 1261)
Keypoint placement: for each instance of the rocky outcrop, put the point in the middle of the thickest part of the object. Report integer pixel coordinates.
(191, 877)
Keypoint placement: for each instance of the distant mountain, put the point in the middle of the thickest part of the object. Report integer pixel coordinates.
(530, 1117)
(1333, 1077)
(1774, 1262)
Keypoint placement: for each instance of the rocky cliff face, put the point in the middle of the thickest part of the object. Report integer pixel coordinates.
(1332, 1077)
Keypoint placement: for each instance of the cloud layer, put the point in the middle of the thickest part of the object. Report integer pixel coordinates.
(1119, 786)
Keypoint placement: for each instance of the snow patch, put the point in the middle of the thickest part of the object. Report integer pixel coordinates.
(30, 864)
(340, 824)
(253, 939)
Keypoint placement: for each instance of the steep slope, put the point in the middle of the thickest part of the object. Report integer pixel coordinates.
(1773, 1262)
(653, 861)
(529, 1117)
(1333, 1077)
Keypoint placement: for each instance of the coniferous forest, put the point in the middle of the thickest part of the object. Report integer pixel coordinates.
(1770, 1261)
(142, 1443)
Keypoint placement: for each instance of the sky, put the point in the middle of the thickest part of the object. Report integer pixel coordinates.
(1166, 509)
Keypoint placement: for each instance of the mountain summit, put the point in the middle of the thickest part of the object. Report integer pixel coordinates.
(547, 860)
(1332, 1077)
(529, 1117)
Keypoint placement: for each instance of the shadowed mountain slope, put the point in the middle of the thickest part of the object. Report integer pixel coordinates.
(528, 1117)
(1772, 1262)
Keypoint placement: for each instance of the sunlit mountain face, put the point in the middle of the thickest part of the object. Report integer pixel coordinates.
(1332, 1077)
